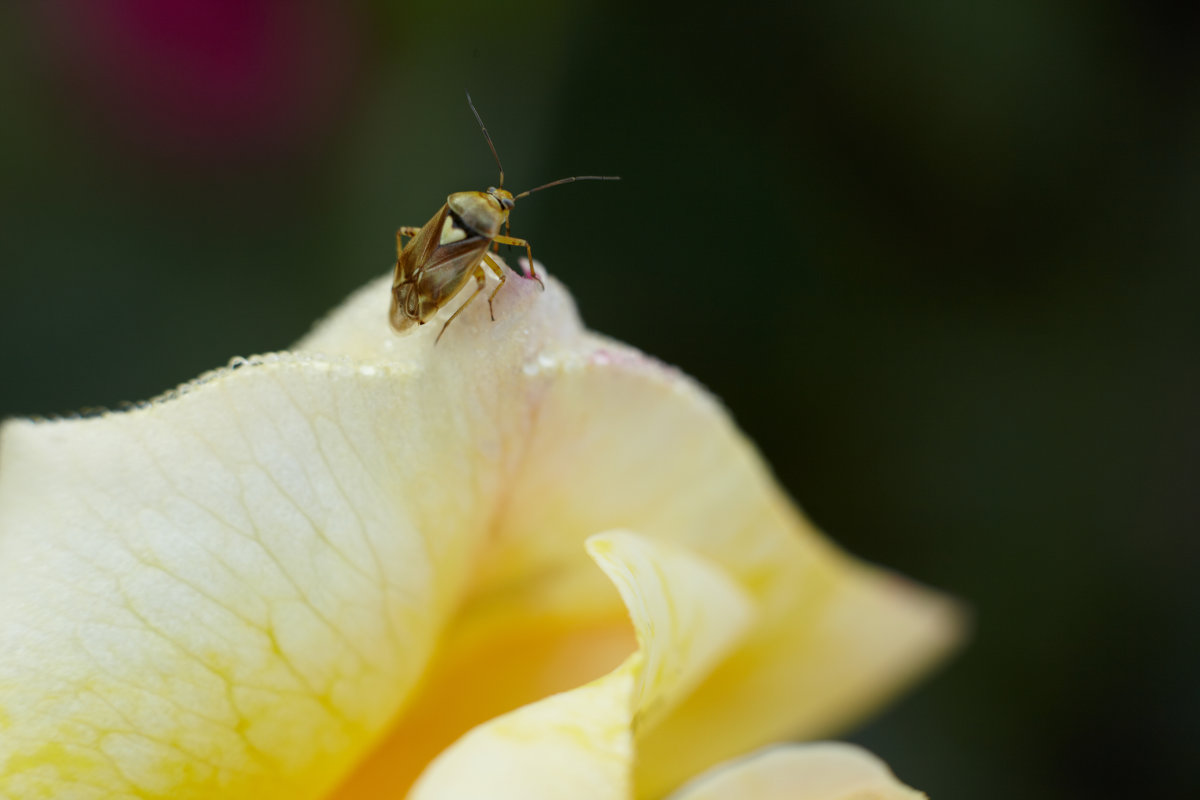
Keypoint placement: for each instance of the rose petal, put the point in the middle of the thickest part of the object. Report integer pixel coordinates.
(233, 590)
(581, 743)
(623, 442)
(822, 771)
(578, 744)
(228, 591)
(687, 612)
(618, 440)
(236, 589)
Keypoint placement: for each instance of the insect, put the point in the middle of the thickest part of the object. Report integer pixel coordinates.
(452, 248)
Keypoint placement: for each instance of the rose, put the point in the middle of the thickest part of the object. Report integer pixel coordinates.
(372, 561)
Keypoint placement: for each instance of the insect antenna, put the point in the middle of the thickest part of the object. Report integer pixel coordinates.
(487, 136)
(561, 181)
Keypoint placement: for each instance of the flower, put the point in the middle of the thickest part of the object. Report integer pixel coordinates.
(374, 565)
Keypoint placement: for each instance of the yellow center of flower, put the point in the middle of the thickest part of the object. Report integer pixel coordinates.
(470, 682)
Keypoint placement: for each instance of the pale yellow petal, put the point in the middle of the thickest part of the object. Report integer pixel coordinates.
(580, 743)
(481, 673)
(618, 440)
(226, 591)
(232, 591)
(821, 771)
(824, 662)
(236, 590)
(647, 449)
(687, 613)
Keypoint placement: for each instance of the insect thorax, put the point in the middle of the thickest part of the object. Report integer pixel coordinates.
(479, 213)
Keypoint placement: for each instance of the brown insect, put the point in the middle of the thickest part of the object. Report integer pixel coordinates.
(452, 248)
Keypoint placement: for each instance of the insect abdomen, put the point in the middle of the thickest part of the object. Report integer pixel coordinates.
(407, 307)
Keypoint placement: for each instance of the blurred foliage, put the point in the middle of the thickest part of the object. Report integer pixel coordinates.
(939, 259)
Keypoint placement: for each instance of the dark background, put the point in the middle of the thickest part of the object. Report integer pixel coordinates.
(939, 259)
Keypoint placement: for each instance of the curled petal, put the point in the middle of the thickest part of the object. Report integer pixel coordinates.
(577, 744)
(687, 615)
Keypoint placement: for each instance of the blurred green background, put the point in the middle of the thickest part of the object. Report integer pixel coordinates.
(939, 259)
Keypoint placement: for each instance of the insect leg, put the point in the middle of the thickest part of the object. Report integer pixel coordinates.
(528, 254)
(406, 230)
(480, 280)
(499, 274)
(507, 234)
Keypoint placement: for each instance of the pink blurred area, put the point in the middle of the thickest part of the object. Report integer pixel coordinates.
(206, 81)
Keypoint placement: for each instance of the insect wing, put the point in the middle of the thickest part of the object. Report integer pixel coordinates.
(409, 306)
(421, 247)
(450, 267)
